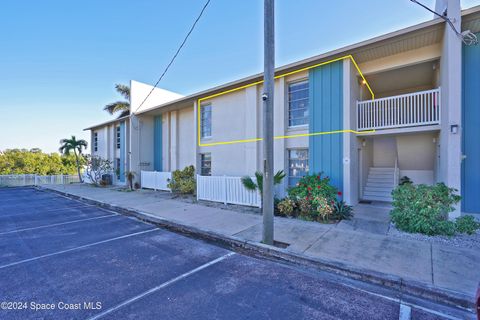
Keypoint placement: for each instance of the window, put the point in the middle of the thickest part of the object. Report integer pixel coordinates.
(298, 103)
(297, 165)
(118, 137)
(206, 164)
(206, 121)
(95, 141)
(117, 167)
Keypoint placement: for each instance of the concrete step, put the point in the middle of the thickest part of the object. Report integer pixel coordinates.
(377, 198)
(384, 184)
(377, 169)
(376, 194)
(381, 175)
(379, 188)
(384, 180)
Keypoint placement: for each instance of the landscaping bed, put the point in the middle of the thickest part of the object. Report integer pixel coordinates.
(458, 240)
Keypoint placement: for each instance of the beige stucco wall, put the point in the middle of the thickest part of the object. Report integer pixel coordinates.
(185, 138)
(238, 116)
(102, 142)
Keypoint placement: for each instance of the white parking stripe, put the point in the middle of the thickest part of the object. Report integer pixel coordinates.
(405, 312)
(55, 209)
(163, 285)
(58, 224)
(411, 305)
(76, 248)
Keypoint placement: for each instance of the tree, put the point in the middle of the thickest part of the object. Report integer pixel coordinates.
(72, 144)
(97, 167)
(120, 106)
(130, 176)
(258, 184)
(34, 161)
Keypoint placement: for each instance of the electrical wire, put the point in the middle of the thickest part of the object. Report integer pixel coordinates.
(176, 54)
(467, 37)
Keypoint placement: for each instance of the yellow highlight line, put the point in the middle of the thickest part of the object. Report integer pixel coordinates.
(287, 137)
(199, 101)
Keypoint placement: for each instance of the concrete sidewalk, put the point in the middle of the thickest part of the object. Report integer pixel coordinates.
(427, 265)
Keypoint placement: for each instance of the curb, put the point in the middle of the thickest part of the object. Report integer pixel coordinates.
(260, 250)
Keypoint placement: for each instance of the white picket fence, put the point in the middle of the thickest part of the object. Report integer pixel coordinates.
(20, 180)
(155, 180)
(227, 190)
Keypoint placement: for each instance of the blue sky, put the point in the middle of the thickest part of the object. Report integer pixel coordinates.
(59, 60)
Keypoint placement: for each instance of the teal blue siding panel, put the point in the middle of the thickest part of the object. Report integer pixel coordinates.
(471, 129)
(326, 114)
(122, 151)
(157, 143)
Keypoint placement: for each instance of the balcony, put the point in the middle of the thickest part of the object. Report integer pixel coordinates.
(408, 110)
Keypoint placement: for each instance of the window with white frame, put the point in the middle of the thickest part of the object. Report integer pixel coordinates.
(118, 137)
(206, 164)
(298, 100)
(297, 165)
(206, 121)
(95, 141)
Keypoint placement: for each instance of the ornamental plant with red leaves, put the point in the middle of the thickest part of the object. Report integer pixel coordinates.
(314, 186)
(315, 197)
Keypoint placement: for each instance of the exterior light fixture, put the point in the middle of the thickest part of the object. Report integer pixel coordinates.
(364, 82)
(454, 128)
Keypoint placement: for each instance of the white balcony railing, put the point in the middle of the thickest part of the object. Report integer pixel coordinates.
(407, 110)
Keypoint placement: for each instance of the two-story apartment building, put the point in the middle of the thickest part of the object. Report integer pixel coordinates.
(423, 121)
(111, 140)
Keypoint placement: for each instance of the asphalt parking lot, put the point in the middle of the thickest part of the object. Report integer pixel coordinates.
(64, 259)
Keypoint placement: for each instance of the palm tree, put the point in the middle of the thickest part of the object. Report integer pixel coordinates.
(258, 184)
(72, 144)
(120, 106)
(130, 176)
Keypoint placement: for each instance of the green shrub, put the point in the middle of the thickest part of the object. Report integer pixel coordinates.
(183, 181)
(342, 211)
(286, 206)
(424, 209)
(324, 209)
(305, 208)
(467, 224)
(315, 197)
(313, 186)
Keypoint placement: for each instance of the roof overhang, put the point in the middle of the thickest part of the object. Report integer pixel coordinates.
(97, 126)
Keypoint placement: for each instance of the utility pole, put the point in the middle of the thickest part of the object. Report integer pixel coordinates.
(267, 97)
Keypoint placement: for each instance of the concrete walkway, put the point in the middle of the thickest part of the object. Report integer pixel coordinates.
(435, 265)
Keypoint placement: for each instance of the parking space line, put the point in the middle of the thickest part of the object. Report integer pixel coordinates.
(410, 305)
(161, 286)
(57, 224)
(76, 248)
(57, 209)
(405, 312)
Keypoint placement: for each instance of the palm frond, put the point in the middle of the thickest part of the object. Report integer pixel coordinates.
(124, 114)
(278, 177)
(67, 145)
(259, 177)
(123, 90)
(248, 183)
(117, 106)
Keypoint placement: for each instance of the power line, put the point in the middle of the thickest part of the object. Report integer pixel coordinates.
(176, 54)
(467, 37)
